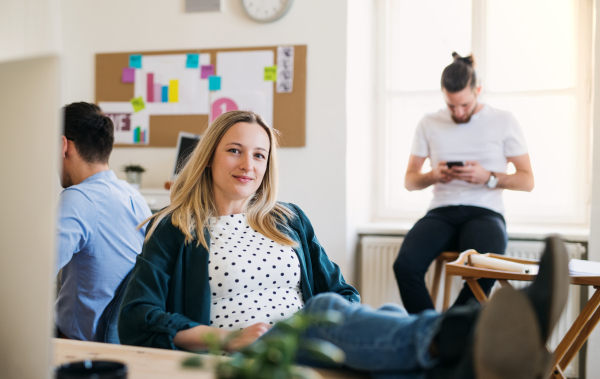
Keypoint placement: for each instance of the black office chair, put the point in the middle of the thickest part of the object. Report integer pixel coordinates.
(111, 314)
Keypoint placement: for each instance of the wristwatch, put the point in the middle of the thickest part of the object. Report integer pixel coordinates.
(492, 182)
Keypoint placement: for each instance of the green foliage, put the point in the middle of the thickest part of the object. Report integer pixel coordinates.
(133, 168)
(192, 362)
(273, 356)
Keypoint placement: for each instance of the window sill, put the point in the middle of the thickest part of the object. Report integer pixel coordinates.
(514, 232)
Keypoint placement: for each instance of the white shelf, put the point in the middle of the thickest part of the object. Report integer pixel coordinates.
(157, 198)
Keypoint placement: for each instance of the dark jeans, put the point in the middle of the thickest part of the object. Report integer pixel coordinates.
(454, 228)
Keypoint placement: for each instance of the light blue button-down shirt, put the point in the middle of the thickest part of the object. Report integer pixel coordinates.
(98, 244)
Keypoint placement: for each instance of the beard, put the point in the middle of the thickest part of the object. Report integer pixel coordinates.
(465, 119)
(65, 179)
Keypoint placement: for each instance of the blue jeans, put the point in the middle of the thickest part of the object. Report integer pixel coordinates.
(445, 229)
(387, 342)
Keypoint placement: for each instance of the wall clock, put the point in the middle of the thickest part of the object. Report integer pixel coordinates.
(266, 10)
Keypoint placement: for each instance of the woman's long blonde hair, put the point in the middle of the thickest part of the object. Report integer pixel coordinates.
(192, 198)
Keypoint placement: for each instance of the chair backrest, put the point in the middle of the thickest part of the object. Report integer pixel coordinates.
(111, 332)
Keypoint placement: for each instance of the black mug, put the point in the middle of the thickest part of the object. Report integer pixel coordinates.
(89, 369)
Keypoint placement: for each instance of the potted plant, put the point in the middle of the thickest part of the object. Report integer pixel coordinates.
(134, 174)
(273, 356)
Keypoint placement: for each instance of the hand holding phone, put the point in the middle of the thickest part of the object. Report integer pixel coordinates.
(455, 163)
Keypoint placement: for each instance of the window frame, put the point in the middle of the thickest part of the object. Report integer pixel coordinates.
(582, 93)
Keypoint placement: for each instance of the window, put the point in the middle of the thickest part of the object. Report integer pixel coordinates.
(533, 58)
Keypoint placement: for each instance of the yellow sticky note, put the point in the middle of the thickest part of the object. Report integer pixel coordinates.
(138, 104)
(271, 73)
(173, 91)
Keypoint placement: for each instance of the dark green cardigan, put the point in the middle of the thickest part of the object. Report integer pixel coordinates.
(169, 289)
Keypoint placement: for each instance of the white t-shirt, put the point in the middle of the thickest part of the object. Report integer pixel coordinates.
(252, 279)
(489, 138)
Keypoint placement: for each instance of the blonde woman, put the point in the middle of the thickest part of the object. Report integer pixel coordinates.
(225, 255)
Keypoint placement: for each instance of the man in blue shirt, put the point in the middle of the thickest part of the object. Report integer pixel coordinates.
(98, 216)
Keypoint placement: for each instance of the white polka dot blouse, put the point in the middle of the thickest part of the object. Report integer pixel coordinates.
(252, 279)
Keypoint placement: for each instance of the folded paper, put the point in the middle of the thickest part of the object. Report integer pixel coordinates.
(482, 261)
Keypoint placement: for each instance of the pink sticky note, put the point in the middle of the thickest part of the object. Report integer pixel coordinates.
(206, 71)
(157, 93)
(128, 75)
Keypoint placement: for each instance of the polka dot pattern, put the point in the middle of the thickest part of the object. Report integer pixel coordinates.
(252, 278)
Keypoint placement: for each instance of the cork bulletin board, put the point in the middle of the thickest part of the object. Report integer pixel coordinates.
(289, 109)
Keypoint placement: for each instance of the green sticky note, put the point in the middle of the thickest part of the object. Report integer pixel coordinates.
(138, 104)
(271, 73)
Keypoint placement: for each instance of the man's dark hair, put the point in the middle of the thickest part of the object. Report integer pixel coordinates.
(459, 74)
(91, 131)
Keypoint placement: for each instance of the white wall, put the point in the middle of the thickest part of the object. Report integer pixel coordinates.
(314, 177)
(360, 96)
(29, 27)
(593, 364)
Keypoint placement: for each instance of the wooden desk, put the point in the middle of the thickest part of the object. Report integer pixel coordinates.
(579, 331)
(148, 363)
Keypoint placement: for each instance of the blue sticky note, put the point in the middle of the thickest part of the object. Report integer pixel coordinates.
(165, 94)
(135, 61)
(192, 61)
(214, 83)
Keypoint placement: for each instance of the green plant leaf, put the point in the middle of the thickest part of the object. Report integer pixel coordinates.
(257, 347)
(273, 356)
(213, 343)
(323, 350)
(192, 362)
(331, 317)
(133, 168)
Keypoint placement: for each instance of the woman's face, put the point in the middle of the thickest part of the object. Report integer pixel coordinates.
(238, 165)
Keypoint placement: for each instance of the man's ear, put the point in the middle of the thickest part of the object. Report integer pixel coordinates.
(65, 146)
(478, 90)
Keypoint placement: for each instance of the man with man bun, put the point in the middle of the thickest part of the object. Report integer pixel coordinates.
(98, 215)
(469, 144)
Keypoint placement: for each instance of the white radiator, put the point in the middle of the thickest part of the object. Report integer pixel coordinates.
(378, 284)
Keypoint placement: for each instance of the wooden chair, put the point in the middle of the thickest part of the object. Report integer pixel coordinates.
(440, 262)
(579, 331)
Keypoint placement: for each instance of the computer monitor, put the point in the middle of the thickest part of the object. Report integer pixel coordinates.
(29, 153)
(185, 145)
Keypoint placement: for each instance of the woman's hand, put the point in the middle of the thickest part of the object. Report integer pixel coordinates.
(246, 336)
(194, 339)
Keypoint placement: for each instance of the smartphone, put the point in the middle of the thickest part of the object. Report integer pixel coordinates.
(457, 163)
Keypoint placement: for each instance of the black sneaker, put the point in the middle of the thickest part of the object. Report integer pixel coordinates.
(511, 331)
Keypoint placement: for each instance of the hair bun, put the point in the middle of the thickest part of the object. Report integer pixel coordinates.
(469, 60)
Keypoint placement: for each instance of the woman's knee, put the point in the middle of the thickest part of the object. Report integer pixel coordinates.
(392, 307)
(325, 301)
